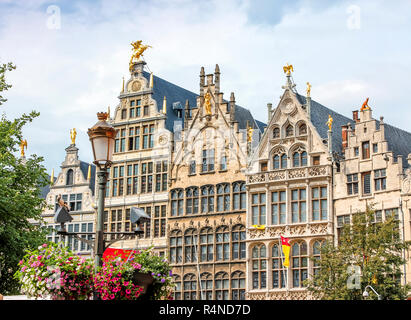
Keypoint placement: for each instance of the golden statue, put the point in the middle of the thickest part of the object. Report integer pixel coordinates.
(207, 103)
(138, 49)
(23, 144)
(288, 69)
(73, 134)
(308, 89)
(329, 122)
(365, 105)
(249, 133)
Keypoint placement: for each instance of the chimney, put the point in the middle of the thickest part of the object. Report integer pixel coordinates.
(355, 116)
(344, 135)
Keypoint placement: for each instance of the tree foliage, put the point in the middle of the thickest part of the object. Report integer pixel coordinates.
(21, 181)
(375, 247)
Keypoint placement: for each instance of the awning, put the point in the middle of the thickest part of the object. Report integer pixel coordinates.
(115, 252)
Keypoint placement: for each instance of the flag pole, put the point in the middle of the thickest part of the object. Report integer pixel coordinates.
(285, 271)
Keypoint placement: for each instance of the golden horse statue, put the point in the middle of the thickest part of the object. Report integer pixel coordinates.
(138, 49)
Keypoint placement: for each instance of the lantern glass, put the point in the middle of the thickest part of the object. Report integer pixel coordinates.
(103, 149)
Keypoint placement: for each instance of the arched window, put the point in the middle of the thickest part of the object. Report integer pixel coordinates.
(276, 162)
(70, 177)
(317, 255)
(177, 288)
(238, 242)
(176, 247)
(206, 286)
(222, 246)
(289, 131)
(223, 197)
(299, 265)
(207, 199)
(259, 266)
(177, 201)
(299, 157)
(222, 286)
(192, 200)
(276, 133)
(283, 161)
(238, 285)
(279, 272)
(190, 244)
(302, 129)
(206, 244)
(239, 195)
(190, 287)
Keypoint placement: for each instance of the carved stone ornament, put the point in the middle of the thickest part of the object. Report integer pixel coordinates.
(136, 85)
(317, 171)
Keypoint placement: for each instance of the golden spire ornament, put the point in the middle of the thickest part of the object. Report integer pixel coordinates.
(73, 134)
(308, 89)
(108, 112)
(151, 80)
(89, 172)
(329, 122)
(249, 133)
(165, 105)
(207, 103)
(23, 144)
(122, 90)
(52, 176)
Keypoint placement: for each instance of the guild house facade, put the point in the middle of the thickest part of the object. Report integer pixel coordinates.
(206, 227)
(313, 170)
(76, 185)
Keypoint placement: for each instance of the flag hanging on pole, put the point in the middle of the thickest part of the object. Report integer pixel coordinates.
(286, 251)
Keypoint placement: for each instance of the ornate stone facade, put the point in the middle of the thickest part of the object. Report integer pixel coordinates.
(289, 191)
(76, 187)
(206, 217)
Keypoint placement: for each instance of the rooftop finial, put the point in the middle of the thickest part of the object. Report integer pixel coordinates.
(365, 105)
(23, 144)
(138, 49)
(151, 80)
(308, 90)
(164, 105)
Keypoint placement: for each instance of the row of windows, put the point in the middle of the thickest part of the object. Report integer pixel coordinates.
(134, 111)
(289, 131)
(380, 182)
(134, 138)
(297, 206)
(137, 178)
(220, 245)
(73, 201)
(208, 162)
(213, 199)
(71, 242)
(365, 150)
(221, 287)
(261, 263)
(118, 220)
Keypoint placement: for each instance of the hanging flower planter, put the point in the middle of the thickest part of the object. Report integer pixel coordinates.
(143, 280)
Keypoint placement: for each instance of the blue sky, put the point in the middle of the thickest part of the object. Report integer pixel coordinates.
(347, 50)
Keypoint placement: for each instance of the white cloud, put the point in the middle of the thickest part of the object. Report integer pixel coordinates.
(71, 73)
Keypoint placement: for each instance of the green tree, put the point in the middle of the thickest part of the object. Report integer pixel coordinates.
(21, 181)
(374, 247)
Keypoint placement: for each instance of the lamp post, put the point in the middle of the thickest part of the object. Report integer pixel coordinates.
(366, 294)
(102, 141)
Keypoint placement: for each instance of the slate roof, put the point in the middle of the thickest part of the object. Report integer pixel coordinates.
(175, 94)
(319, 116)
(399, 141)
(84, 170)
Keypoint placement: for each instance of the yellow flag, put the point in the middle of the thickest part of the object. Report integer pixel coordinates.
(286, 250)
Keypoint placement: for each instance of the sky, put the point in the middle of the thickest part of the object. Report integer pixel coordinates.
(71, 57)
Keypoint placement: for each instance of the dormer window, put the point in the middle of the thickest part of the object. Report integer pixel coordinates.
(289, 131)
(302, 129)
(276, 133)
(70, 177)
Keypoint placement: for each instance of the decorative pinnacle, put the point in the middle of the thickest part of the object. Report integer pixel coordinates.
(102, 115)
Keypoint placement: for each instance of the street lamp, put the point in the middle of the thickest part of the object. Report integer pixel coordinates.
(102, 141)
(365, 294)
